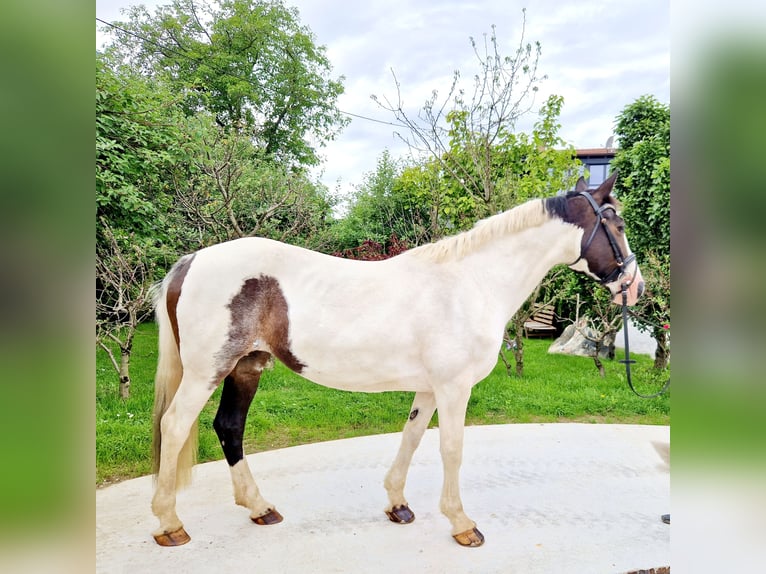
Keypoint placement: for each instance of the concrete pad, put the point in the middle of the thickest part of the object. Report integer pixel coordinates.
(548, 498)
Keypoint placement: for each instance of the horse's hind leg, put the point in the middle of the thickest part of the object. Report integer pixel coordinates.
(238, 391)
(176, 424)
(422, 411)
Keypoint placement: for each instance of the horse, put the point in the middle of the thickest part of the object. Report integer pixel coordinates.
(430, 320)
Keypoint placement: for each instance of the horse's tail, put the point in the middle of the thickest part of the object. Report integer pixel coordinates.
(166, 383)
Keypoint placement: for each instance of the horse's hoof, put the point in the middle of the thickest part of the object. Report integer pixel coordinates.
(177, 538)
(470, 538)
(271, 517)
(400, 514)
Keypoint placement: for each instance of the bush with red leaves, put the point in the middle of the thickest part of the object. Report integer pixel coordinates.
(371, 250)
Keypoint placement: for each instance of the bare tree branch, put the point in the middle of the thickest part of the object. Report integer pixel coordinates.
(503, 91)
(122, 298)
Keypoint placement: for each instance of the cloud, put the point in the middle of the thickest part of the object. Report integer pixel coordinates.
(600, 55)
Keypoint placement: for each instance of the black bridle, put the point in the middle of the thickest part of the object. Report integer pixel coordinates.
(615, 275)
(622, 262)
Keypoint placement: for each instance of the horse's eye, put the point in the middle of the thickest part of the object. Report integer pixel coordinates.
(621, 228)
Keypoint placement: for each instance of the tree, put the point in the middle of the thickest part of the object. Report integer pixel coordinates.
(137, 143)
(230, 188)
(495, 106)
(206, 116)
(123, 298)
(383, 206)
(489, 166)
(643, 161)
(250, 63)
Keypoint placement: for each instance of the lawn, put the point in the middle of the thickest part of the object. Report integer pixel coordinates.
(288, 410)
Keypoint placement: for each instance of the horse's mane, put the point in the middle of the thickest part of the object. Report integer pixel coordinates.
(529, 214)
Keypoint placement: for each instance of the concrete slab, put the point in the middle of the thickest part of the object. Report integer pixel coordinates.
(548, 498)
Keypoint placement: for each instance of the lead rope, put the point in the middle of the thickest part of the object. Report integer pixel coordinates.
(628, 361)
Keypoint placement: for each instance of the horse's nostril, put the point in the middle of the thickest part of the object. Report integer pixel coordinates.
(640, 288)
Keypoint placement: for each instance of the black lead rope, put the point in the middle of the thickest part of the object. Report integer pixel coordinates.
(628, 361)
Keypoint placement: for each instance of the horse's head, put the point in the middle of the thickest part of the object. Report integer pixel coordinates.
(604, 252)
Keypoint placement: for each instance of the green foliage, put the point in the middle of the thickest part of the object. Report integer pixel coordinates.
(536, 164)
(288, 410)
(385, 204)
(492, 174)
(250, 63)
(643, 186)
(477, 177)
(478, 164)
(644, 119)
(232, 189)
(137, 144)
(644, 189)
(573, 294)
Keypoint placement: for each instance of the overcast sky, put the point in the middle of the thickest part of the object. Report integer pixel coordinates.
(600, 55)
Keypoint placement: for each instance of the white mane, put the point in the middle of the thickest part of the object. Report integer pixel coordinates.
(529, 214)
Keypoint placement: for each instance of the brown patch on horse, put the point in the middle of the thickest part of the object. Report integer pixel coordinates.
(239, 388)
(259, 313)
(599, 254)
(178, 274)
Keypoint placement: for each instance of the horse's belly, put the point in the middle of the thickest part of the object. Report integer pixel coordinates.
(365, 378)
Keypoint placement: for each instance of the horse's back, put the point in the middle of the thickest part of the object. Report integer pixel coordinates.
(348, 324)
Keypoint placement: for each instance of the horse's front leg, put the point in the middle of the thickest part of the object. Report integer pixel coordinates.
(422, 411)
(452, 408)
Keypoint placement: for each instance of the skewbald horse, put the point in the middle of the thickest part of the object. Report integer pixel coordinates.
(438, 311)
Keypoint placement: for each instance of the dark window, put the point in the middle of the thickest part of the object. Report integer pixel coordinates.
(598, 173)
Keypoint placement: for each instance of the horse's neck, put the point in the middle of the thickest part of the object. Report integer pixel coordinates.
(510, 267)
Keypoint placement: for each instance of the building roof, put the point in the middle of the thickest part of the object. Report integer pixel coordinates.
(596, 151)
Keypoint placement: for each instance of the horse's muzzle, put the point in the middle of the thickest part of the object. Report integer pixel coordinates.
(635, 289)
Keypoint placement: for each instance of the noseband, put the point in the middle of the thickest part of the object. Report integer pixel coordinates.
(622, 262)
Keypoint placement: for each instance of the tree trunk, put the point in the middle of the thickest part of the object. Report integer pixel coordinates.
(125, 350)
(506, 363)
(518, 349)
(599, 365)
(662, 354)
(124, 373)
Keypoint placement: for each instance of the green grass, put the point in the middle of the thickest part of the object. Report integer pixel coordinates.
(288, 410)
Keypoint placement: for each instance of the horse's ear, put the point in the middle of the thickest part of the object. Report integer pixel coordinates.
(581, 185)
(602, 192)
